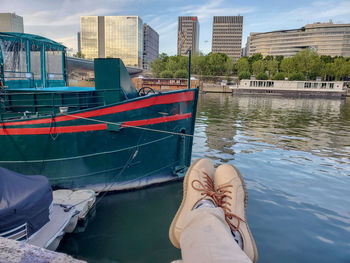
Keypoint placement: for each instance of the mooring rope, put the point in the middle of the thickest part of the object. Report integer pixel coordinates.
(162, 131)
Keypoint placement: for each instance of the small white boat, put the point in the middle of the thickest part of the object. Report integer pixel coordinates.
(31, 212)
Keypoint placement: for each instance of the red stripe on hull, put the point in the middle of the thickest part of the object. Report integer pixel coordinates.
(52, 130)
(157, 100)
(157, 120)
(85, 128)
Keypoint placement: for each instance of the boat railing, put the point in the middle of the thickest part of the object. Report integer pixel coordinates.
(17, 75)
(16, 103)
(19, 233)
(55, 76)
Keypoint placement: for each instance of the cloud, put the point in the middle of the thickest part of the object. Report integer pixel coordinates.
(316, 11)
(215, 8)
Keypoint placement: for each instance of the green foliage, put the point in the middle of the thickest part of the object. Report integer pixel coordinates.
(306, 64)
(297, 76)
(79, 55)
(287, 66)
(244, 75)
(272, 67)
(242, 65)
(326, 59)
(279, 76)
(157, 66)
(198, 64)
(166, 74)
(181, 74)
(279, 58)
(258, 67)
(255, 57)
(175, 63)
(262, 76)
(216, 64)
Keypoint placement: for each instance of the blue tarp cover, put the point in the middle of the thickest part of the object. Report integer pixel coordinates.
(23, 199)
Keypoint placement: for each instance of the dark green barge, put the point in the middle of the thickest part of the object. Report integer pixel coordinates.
(106, 138)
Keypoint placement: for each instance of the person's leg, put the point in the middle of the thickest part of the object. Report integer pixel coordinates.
(205, 232)
(206, 237)
(230, 187)
(198, 185)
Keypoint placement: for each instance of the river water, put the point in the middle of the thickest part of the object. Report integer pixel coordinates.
(294, 155)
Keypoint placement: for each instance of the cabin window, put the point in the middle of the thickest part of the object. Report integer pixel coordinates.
(323, 85)
(315, 85)
(35, 61)
(331, 85)
(54, 68)
(14, 56)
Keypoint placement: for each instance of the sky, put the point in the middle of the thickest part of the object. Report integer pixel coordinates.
(59, 20)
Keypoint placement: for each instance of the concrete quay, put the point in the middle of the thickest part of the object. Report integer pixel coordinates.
(15, 252)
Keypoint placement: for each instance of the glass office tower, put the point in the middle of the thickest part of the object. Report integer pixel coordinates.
(114, 37)
(89, 36)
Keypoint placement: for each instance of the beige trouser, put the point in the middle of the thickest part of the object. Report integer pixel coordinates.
(206, 237)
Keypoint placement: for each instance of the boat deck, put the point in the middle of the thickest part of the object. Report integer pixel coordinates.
(58, 221)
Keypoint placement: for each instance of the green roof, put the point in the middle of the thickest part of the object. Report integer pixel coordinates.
(31, 37)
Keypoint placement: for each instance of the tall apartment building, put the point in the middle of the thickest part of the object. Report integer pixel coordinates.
(112, 36)
(227, 35)
(150, 46)
(325, 38)
(187, 34)
(10, 22)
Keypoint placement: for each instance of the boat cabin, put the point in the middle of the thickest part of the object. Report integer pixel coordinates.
(33, 79)
(31, 62)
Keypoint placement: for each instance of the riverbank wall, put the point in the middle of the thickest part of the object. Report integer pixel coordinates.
(12, 251)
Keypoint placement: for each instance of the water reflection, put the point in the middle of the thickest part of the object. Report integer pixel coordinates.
(295, 157)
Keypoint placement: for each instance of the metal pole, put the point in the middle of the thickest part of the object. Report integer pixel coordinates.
(189, 69)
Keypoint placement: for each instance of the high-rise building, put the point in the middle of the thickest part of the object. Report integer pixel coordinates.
(187, 34)
(114, 37)
(10, 22)
(325, 38)
(227, 35)
(150, 46)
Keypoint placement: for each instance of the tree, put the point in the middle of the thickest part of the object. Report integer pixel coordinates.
(163, 57)
(242, 65)
(268, 58)
(166, 74)
(258, 67)
(157, 66)
(339, 68)
(244, 75)
(272, 67)
(215, 62)
(326, 59)
(297, 76)
(79, 55)
(198, 64)
(303, 61)
(279, 76)
(287, 66)
(262, 76)
(181, 74)
(255, 57)
(229, 66)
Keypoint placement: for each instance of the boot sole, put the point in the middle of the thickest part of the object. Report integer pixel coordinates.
(172, 237)
(245, 212)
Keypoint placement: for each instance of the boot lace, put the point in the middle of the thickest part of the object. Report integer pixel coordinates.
(207, 188)
(223, 194)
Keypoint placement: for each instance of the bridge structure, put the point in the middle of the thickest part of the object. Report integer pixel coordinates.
(85, 68)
